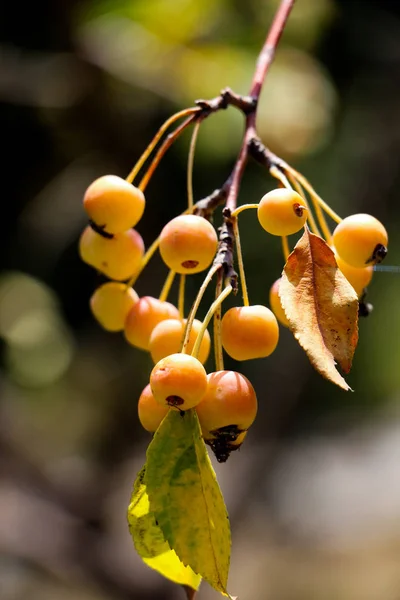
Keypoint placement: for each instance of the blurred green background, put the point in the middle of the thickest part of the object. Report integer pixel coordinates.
(314, 495)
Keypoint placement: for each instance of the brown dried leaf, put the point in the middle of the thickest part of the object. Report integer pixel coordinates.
(321, 306)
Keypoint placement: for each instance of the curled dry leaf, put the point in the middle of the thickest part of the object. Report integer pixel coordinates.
(321, 306)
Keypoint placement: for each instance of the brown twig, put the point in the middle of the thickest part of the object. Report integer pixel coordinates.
(251, 144)
(263, 64)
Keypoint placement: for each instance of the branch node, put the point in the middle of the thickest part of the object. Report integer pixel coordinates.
(261, 154)
(207, 205)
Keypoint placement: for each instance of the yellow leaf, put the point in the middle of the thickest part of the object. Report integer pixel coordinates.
(321, 306)
(186, 499)
(149, 540)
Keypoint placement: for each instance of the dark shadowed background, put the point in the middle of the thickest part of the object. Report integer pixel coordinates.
(314, 494)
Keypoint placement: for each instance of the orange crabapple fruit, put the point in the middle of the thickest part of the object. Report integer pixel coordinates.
(114, 204)
(359, 278)
(282, 212)
(178, 380)
(143, 318)
(360, 240)
(110, 304)
(276, 304)
(249, 332)
(118, 257)
(188, 244)
(167, 337)
(150, 412)
(227, 410)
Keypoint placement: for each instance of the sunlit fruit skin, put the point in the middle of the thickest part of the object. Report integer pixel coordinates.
(229, 402)
(360, 240)
(188, 244)
(111, 303)
(178, 380)
(282, 212)
(143, 318)
(167, 338)
(249, 332)
(150, 412)
(118, 258)
(358, 278)
(113, 204)
(276, 304)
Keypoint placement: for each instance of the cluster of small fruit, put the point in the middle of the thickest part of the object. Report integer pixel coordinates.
(358, 241)
(225, 401)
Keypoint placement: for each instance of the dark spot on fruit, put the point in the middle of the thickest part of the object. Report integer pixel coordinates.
(298, 209)
(174, 400)
(223, 442)
(365, 309)
(100, 229)
(190, 264)
(378, 254)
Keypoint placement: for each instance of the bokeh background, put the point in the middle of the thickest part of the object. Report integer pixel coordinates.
(314, 495)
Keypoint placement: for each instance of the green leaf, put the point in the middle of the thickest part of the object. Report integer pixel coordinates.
(186, 499)
(149, 540)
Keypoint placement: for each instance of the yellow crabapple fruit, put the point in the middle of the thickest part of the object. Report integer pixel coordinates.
(226, 411)
(113, 204)
(188, 244)
(167, 337)
(150, 412)
(249, 332)
(282, 212)
(359, 278)
(143, 318)
(276, 304)
(110, 304)
(118, 257)
(230, 401)
(178, 380)
(360, 240)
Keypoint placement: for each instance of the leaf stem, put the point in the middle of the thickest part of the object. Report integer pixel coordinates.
(167, 286)
(217, 303)
(196, 304)
(139, 164)
(240, 262)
